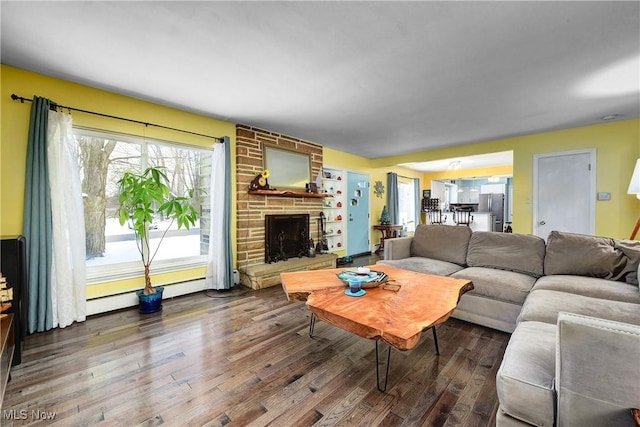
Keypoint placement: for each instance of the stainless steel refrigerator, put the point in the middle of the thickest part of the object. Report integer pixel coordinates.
(493, 203)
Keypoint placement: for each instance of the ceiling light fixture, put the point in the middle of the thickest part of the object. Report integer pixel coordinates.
(455, 165)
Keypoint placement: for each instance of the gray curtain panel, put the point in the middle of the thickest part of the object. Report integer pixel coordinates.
(37, 221)
(416, 198)
(392, 197)
(227, 214)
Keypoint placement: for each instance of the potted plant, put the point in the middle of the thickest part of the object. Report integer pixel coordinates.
(143, 198)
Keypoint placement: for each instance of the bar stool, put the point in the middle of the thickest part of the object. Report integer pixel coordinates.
(435, 217)
(462, 216)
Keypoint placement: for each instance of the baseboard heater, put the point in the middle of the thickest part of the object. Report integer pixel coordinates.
(108, 303)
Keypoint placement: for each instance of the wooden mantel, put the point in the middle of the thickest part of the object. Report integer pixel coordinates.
(288, 193)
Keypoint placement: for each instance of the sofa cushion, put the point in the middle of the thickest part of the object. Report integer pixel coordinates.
(583, 255)
(521, 253)
(543, 306)
(423, 265)
(631, 250)
(597, 371)
(497, 284)
(590, 287)
(441, 242)
(525, 379)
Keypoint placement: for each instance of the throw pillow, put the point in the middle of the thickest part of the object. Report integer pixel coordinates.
(582, 255)
(631, 250)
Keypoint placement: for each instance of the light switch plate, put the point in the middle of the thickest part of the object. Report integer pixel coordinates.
(604, 196)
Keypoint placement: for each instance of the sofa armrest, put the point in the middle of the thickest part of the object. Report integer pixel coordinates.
(397, 248)
(597, 371)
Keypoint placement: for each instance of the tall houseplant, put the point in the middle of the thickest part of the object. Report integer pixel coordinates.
(145, 197)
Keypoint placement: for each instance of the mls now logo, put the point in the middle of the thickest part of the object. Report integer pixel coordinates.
(14, 414)
(23, 414)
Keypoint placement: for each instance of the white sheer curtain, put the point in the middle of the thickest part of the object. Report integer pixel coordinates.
(68, 286)
(217, 262)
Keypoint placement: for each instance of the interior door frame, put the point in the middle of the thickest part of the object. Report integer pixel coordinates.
(369, 224)
(592, 184)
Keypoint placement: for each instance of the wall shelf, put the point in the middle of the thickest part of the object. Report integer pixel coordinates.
(289, 193)
(335, 210)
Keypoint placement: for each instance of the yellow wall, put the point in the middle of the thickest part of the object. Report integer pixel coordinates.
(353, 163)
(617, 147)
(15, 128)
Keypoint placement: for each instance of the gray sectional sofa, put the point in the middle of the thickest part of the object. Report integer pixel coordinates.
(572, 304)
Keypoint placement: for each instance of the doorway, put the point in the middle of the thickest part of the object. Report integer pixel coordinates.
(564, 188)
(358, 214)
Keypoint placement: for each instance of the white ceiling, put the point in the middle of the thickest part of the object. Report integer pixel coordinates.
(501, 158)
(370, 78)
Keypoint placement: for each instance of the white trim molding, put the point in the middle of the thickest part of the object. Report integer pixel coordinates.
(130, 299)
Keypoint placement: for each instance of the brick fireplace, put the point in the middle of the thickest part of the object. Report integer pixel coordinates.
(252, 209)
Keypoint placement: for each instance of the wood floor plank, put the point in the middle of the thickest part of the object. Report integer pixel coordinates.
(247, 360)
(462, 413)
(321, 383)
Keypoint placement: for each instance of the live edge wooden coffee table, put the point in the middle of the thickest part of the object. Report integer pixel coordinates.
(396, 313)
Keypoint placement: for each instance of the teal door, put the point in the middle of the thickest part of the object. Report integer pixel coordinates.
(357, 214)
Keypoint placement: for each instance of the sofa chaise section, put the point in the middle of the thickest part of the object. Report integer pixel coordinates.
(583, 320)
(582, 372)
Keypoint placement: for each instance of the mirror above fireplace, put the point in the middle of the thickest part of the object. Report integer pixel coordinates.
(289, 169)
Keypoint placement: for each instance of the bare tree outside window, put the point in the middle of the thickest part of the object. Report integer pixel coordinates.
(103, 160)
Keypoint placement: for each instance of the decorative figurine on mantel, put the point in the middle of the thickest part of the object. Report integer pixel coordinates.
(384, 217)
(260, 182)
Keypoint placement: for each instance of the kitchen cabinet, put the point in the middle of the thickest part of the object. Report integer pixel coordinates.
(468, 195)
(492, 188)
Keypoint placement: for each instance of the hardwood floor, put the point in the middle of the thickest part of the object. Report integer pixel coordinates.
(245, 358)
(365, 260)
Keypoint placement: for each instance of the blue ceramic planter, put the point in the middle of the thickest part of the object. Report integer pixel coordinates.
(150, 303)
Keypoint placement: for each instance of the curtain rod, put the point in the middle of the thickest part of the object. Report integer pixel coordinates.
(54, 105)
(402, 176)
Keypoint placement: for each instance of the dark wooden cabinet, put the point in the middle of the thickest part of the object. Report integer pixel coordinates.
(7, 340)
(14, 267)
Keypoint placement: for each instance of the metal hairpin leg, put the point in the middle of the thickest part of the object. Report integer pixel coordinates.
(312, 324)
(435, 340)
(386, 377)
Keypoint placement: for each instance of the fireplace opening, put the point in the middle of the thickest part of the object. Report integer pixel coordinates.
(286, 236)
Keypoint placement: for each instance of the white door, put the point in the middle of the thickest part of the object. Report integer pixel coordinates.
(564, 192)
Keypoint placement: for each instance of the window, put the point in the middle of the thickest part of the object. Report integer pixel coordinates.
(407, 204)
(111, 248)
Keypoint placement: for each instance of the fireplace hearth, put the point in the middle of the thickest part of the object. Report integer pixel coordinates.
(286, 236)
